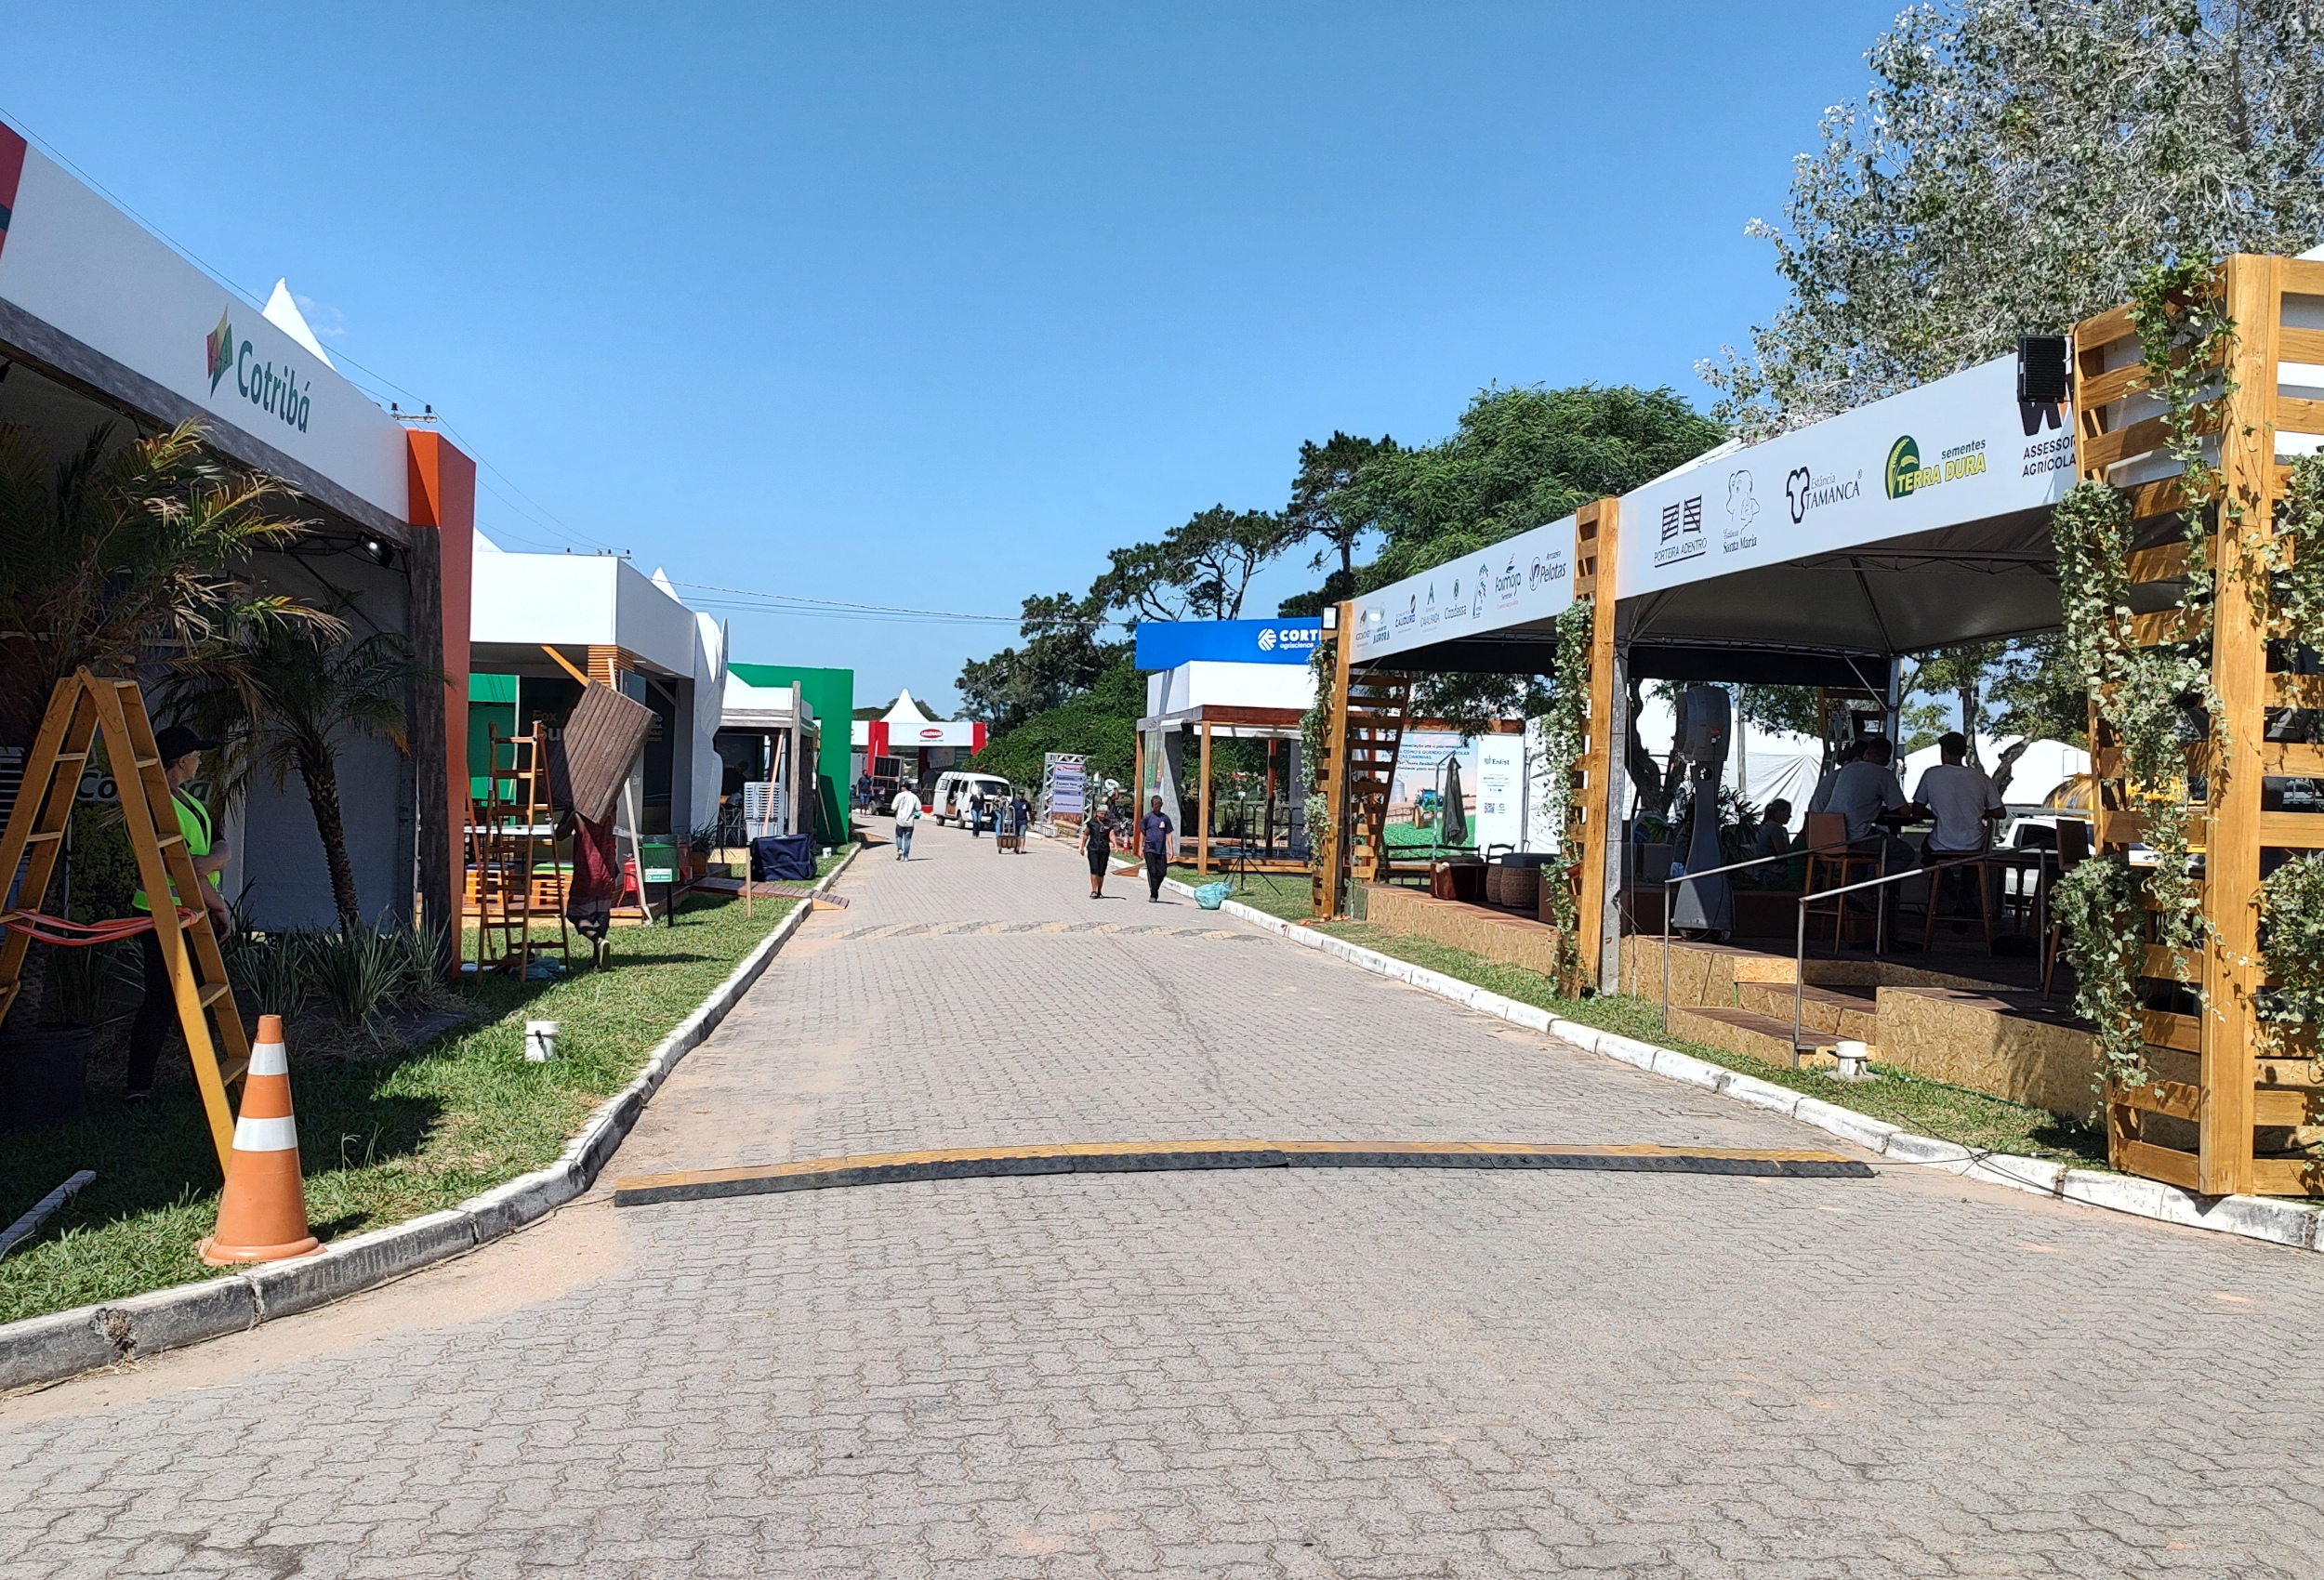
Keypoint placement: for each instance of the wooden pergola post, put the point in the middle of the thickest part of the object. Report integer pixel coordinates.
(1330, 852)
(1202, 834)
(2231, 858)
(2206, 1069)
(1590, 816)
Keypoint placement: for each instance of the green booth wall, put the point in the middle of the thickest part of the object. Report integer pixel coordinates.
(831, 694)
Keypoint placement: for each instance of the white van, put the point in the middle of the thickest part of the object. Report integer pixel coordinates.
(950, 802)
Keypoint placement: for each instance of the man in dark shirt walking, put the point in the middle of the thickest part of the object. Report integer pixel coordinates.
(1154, 831)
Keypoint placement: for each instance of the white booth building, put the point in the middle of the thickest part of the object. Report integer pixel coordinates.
(551, 619)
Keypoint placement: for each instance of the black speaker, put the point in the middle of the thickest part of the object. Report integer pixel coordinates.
(2041, 368)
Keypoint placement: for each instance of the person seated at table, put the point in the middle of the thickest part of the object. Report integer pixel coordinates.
(1822, 801)
(1865, 793)
(1773, 837)
(1962, 805)
(1775, 832)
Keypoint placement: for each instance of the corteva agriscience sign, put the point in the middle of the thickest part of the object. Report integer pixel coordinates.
(73, 261)
(1517, 581)
(1960, 450)
(1166, 644)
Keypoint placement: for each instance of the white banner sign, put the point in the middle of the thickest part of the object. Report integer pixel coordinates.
(1501, 789)
(1516, 582)
(77, 263)
(1960, 450)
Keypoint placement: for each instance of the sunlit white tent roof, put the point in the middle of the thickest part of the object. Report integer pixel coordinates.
(1914, 522)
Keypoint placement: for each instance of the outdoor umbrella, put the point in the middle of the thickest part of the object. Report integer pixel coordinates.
(1453, 828)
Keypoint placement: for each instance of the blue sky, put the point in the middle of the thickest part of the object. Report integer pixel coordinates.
(929, 305)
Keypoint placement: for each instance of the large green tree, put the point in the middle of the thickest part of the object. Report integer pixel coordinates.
(2012, 168)
(1520, 458)
(1065, 652)
(1200, 571)
(1326, 471)
(1099, 722)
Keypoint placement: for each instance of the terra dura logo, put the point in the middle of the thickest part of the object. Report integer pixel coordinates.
(1909, 474)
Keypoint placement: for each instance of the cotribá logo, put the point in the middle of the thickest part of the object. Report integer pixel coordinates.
(279, 394)
(221, 348)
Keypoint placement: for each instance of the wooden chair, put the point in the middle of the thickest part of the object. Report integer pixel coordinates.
(1936, 890)
(1831, 863)
(2073, 849)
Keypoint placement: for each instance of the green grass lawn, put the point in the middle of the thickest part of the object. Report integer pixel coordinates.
(1278, 894)
(1924, 1107)
(382, 1139)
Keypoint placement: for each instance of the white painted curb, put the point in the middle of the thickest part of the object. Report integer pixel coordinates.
(63, 1344)
(2295, 1225)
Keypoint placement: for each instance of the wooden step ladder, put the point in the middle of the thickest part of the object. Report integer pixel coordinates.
(1357, 773)
(508, 843)
(79, 710)
(1377, 709)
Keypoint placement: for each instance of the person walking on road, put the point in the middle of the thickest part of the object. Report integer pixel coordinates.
(976, 815)
(907, 813)
(180, 751)
(1097, 843)
(1023, 809)
(1153, 832)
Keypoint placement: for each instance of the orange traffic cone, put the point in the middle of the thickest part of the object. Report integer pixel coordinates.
(262, 1216)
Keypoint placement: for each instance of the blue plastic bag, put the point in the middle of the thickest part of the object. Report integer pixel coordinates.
(1210, 896)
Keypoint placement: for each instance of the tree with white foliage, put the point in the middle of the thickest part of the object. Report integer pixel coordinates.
(2012, 167)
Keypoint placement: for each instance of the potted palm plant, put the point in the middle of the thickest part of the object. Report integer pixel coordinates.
(112, 554)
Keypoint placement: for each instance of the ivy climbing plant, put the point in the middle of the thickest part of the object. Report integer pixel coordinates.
(2152, 698)
(1315, 753)
(1564, 728)
(2291, 898)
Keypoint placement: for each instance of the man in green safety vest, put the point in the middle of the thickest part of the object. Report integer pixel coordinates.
(182, 752)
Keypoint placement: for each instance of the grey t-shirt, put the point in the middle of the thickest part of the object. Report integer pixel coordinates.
(1860, 792)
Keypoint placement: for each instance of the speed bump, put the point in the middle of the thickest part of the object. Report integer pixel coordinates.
(1151, 1157)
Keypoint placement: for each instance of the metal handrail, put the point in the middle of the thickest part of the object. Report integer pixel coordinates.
(1799, 962)
(1669, 883)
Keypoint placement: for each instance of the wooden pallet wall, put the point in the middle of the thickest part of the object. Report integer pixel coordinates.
(2219, 1108)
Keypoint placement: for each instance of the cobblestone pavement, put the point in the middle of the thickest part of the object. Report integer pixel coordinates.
(1391, 1373)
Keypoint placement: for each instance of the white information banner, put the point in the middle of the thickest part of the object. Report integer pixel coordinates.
(1516, 582)
(1500, 791)
(1963, 449)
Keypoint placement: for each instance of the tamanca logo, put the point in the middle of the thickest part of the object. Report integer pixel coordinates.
(277, 394)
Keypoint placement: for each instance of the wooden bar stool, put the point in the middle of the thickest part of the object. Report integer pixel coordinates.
(1830, 863)
(1936, 889)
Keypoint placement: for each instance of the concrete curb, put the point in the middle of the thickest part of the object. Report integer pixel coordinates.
(64, 1344)
(2295, 1225)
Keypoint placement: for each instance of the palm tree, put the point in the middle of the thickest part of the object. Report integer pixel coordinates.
(283, 697)
(121, 549)
(118, 552)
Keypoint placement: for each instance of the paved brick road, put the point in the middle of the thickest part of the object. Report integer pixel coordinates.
(1273, 1373)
